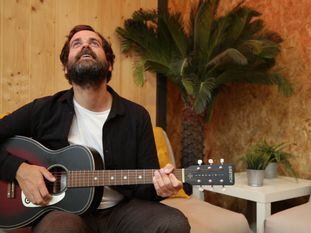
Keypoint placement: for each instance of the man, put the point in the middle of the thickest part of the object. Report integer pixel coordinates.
(92, 114)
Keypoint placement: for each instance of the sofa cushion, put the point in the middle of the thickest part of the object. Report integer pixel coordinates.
(207, 218)
(296, 219)
(165, 154)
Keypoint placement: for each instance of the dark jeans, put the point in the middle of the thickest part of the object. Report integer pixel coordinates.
(134, 216)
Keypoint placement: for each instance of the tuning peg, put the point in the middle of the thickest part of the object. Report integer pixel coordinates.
(223, 188)
(222, 163)
(201, 189)
(211, 161)
(200, 162)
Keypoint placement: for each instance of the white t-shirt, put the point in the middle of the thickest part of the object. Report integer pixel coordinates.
(87, 130)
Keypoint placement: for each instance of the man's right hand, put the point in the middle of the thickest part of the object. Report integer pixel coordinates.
(31, 180)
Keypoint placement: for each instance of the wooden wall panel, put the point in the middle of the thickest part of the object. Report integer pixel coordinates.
(145, 95)
(34, 31)
(127, 7)
(42, 32)
(115, 19)
(67, 16)
(1, 54)
(15, 53)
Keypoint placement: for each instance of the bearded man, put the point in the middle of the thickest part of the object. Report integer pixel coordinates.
(92, 114)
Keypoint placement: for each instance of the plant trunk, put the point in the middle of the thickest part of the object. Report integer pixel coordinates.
(192, 137)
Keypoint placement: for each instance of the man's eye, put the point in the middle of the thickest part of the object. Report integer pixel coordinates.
(95, 44)
(76, 44)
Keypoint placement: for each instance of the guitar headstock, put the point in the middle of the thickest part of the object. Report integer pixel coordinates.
(211, 174)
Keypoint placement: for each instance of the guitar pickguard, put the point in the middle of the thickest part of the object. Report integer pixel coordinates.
(55, 199)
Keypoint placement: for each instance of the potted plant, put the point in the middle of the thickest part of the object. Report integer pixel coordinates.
(201, 58)
(255, 162)
(276, 156)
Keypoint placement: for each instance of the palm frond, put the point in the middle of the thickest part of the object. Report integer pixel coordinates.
(262, 48)
(173, 25)
(203, 95)
(242, 74)
(229, 56)
(215, 51)
(139, 72)
(202, 25)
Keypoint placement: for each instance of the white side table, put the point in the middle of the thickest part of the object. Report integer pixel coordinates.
(278, 189)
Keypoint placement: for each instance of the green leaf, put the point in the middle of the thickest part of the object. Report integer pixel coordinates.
(204, 95)
(202, 25)
(210, 106)
(230, 55)
(263, 48)
(189, 83)
(215, 51)
(246, 75)
(176, 30)
(139, 69)
(284, 86)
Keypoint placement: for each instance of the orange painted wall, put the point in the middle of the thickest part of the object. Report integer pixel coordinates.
(245, 114)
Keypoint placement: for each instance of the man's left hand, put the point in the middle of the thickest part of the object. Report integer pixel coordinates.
(165, 182)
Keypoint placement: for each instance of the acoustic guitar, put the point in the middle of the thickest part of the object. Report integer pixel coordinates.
(80, 178)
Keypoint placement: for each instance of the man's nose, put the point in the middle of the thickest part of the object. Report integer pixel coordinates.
(85, 45)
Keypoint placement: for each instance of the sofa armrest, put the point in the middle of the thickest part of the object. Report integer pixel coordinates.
(204, 217)
(197, 193)
(295, 219)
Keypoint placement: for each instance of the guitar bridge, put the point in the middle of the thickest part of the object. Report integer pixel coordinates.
(11, 190)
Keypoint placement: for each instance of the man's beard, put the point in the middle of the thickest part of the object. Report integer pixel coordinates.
(87, 72)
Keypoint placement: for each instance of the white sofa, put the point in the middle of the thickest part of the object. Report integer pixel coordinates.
(293, 220)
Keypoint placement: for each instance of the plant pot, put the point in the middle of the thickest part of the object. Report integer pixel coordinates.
(255, 177)
(271, 170)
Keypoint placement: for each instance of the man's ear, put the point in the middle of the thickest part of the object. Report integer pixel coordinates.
(65, 70)
(110, 67)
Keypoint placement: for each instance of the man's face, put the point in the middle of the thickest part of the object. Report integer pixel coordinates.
(87, 64)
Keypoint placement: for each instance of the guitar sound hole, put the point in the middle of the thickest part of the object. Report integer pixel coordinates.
(59, 185)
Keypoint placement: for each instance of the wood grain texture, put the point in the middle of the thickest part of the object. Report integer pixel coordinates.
(15, 54)
(245, 114)
(32, 34)
(1, 54)
(42, 54)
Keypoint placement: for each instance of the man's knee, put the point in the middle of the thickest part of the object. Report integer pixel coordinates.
(177, 222)
(60, 222)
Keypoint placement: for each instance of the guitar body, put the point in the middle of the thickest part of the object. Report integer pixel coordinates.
(80, 179)
(14, 213)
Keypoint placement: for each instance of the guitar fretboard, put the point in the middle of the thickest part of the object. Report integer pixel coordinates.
(114, 177)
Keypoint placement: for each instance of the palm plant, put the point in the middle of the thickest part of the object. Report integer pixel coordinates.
(202, 59)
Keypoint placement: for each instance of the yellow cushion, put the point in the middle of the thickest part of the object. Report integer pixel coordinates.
(2, 115)
(164, 154)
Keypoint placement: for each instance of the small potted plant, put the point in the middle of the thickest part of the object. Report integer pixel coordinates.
(276, 156)
(256, 163)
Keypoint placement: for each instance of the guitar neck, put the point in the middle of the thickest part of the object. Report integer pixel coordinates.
(114, 177)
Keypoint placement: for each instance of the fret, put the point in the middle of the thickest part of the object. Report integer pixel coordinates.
(121, 177)
(116, 177)
(113, 177)
(136, 176)
(139, 176)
